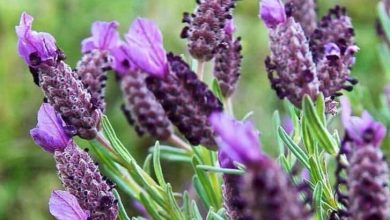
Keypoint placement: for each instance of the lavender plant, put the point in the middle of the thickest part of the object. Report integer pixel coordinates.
(166, 97)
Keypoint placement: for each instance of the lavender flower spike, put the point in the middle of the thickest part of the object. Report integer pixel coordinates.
(34, 47)
(96, 61)
(204, 29)
(304, 12)
(146, 47)
(57, 80)
(272, 12)
(361, 130)
(227, 61)
(78, 173)
(49, 133)
(141, 108)
(266, 190)
(64, 206)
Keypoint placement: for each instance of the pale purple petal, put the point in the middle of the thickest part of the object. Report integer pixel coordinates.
(229, 27)
(272, 12)
(146, 47)
(361, 130)
(239, 140)
(64, 206)
(42, 45)
(49, 132)
(104, 36)
(287, 124)
(122, 63)
(331, 49)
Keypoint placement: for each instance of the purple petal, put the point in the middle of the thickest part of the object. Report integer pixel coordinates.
(272, 12)
(104, 36)
(49, 132)
(239, 140)
(146, 47)
(331, 49)
(229, 27)
(122, 63)
(43, 45)
(64, 206)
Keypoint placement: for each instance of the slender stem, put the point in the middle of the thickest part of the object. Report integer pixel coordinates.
(200, 69)
(229, 106)
(103, 141)
(174, 139)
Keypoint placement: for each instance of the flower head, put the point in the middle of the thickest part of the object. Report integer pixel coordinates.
(49, 132)
(104, 36)
(34, 47)
(64, 206)
(146, 49)
(272, 12)
(240, 140)
(362, 130)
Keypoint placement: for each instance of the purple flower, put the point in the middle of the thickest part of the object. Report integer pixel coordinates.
(272, 12)
(146, 47)
(331, 49)
(49, 132)
(229, 27)
(240, 140)
(34, 47)
(64, 206)
(122, 62)
(362, 130)
(104, 36)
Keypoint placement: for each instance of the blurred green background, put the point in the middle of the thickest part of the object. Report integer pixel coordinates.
(27, 174)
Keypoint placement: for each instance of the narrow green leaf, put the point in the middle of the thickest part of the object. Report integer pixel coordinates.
(307, 137)
(216, 89)
(320, 108)
(186, 206)
(317, 195)
(177, 214)
(208, 168)
(320, 132)
(147, 203)
(157, 165)
(295, 149)
(196, 211)
(284, 163)
(315, 172)
(201, 191)
(122, 215)
(147, 164)
(384, 18)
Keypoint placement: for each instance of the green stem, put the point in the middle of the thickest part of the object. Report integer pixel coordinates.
(177, 141)
(200, 69)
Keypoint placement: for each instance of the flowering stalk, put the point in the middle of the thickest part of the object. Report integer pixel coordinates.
(228, 61)
(266, 190)
(78, 173)
(58, 82)
(291, 57)
(367, 173)
(204, 28)
(96, 61)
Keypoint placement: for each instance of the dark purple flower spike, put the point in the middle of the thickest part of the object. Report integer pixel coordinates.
(59, 83)
(96, 61)
(141, 108)
(64, 206)
(267, 191)
(290, 66)
(187, 101)
(204, 29)
(304, 12)
(367, 175)
(78, 173)
(227, 62)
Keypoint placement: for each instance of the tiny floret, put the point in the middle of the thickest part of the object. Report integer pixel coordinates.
(272, 12)
(104, 36)
(34, 47)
